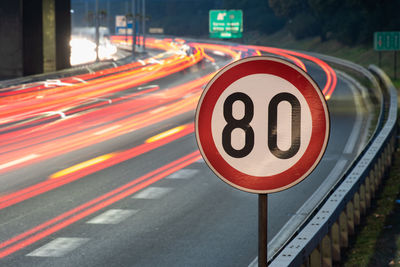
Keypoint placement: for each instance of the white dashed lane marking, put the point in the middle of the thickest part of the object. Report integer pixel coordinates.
(152, 193)
(58, 247)
(112, 216)
(183, 174)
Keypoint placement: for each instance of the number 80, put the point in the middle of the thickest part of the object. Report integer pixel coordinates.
(244, 124)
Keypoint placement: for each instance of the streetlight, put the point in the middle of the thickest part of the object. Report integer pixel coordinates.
(133, 27)
(144, 23)
(97, 35)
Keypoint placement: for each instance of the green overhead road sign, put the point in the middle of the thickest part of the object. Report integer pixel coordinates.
(387, 41)
(226, 23)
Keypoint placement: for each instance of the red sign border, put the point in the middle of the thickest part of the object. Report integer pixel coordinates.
(319, 113)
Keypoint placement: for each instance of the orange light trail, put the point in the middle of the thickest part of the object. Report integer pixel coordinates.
(105, 121)
(87, 123)
(331, 82)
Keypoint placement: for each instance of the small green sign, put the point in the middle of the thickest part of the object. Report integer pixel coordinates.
(387, 41)
(226, 23)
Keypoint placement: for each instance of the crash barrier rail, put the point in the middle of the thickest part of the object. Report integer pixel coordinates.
(321, 238)
(77, 70)
(373, 98)
(84, 68)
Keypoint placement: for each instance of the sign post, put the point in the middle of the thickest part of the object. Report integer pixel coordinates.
(262, 230)
(262, 126)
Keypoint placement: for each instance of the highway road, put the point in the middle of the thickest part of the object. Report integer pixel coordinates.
(103, 169)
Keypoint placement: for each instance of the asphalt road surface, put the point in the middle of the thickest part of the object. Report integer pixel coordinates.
(133, 200)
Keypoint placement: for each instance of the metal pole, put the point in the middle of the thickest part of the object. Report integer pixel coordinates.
(262, 230)
(395, 64)
(108, 16)
(133, 27)
(126, 20)
(87, 14)
(144, 24)
(379, 58)
(97, 34)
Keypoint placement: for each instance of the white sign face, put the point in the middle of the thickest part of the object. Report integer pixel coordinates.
(262, 124)
(260, 98)
(120, 21)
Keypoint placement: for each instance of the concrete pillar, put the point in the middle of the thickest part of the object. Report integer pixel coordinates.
(34, 36)
(32, 40)
(49, 35)
(10, 39)
(56, 34)
(63, 34)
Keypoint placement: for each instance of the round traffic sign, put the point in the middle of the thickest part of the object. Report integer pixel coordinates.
(262, 124)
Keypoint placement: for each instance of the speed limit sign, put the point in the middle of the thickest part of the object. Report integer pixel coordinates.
(262, 124)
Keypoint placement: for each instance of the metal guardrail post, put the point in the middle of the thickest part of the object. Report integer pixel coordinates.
(381, 169)
(363, 200)
(372, 181)
(344, 232)
(335, 238)
(357, 209)
(367, 192)
(315, 257)
(326, 251)
(350, 217)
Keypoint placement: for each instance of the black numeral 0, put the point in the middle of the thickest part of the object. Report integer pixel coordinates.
(243, 124)
(272, 122)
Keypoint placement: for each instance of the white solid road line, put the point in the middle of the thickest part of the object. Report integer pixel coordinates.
(355, 132)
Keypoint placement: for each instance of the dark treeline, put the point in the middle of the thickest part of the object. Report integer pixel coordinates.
(348, 21)
(190, 17)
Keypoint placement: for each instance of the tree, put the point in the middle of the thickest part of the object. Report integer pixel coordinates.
(257, 15)
(288, 8)
(301, 21)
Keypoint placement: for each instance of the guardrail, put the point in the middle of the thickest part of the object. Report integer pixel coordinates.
(320, 240)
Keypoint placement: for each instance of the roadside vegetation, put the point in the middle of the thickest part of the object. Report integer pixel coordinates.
(341, 29)
(362, 54)
(377, 242)
(351, 22)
